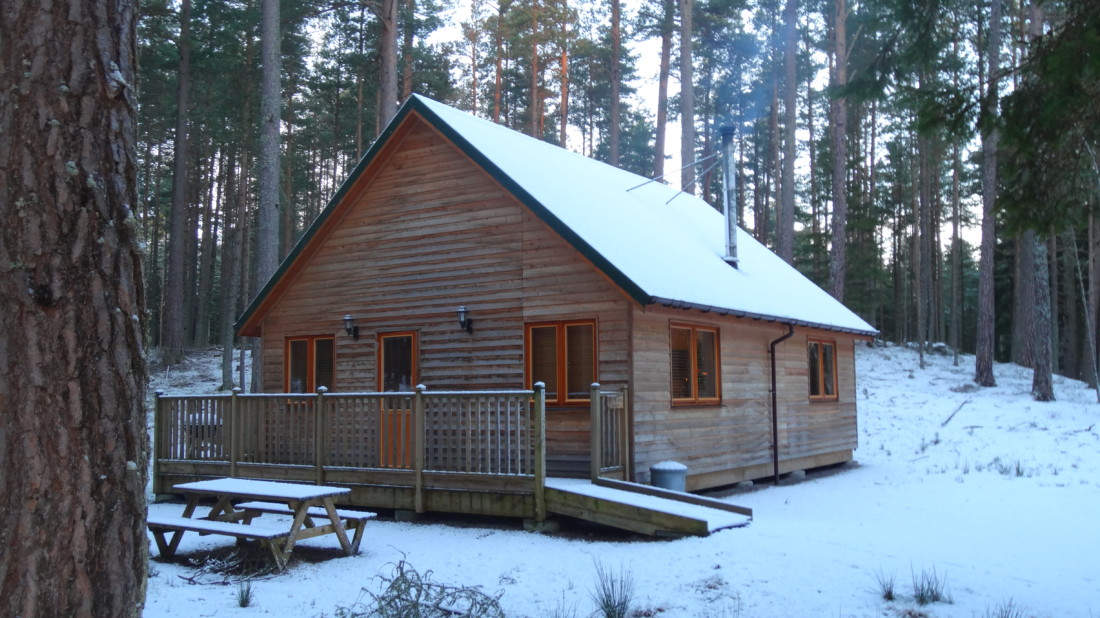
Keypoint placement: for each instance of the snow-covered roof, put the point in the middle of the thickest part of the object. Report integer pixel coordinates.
(660, 245)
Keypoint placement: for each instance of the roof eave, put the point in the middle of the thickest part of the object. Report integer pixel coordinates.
(683, 304)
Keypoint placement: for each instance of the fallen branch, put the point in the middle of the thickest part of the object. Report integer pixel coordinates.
(944, 424)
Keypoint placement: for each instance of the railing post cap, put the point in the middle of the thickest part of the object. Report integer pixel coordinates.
(160, 392)
(595, 385)
(421, 388)
(539, 385)
(237, 390)
(322, 389)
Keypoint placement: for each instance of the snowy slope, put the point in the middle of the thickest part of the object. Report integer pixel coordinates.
(1001, 501)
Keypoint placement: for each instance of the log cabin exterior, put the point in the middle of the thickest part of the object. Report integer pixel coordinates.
(572, 272)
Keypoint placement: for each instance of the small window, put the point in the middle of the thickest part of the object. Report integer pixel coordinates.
(397, 362)
(562, 355)
(693, 356)
(822, 366)
(310, 363)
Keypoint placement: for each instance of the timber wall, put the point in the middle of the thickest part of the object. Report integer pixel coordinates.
(424, 231)
(732, 441)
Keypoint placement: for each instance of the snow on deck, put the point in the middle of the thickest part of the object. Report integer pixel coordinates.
(716, 519)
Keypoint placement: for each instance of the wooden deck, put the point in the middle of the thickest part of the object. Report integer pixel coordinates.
(460, 452)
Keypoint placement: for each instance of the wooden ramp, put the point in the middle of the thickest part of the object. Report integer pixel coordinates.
(642, 508)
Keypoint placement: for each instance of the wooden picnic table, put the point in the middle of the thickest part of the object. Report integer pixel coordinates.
(239, 501)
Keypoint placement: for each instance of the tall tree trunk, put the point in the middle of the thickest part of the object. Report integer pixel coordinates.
(409, 40)
(387, 77)
(785, 216)
(839, 125)
(1042, 384)
(533, 112)
(667, 26)
(267, 219)
(231, 259)
(172, 318)
(984, 347)
(687, 98)
(73, 440)
(954, 336)
(1023, 314)
(563, 65)
(498, 78)
(919, 254)
(1093, 293)
(616, 77)
(360, 78)
(1071, 341)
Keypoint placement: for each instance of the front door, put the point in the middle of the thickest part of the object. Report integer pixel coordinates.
(397, 353)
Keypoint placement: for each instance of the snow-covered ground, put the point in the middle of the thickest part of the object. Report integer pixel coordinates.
(994, 493)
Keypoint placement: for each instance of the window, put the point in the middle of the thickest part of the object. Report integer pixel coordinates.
(562, 355)
(822, 365)
(693, 356)
(397, 362)
(310, 363)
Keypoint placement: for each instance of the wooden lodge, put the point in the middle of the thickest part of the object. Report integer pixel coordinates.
(460, 267)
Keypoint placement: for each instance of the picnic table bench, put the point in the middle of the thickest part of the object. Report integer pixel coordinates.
(239, 501)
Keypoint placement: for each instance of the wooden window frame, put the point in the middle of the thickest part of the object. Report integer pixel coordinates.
(311, 361)
(821, 345)
(695, 399)
(561, 369)
(380, 339)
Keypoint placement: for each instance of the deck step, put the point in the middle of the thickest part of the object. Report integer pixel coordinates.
(641, 508)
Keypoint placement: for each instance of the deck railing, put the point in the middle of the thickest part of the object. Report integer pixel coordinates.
(492, 434)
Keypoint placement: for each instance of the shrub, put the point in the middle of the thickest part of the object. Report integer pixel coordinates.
(885, 585)
(245, 593)
(1006, 609)
(614, 592)
(930, 587)
(409, 594)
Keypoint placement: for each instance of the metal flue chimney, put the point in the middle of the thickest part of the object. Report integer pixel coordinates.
(729, 199)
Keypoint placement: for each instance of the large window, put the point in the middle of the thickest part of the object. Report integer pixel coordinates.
(397, 362)
(310, 363)
(694, 360)
(822, 365)
(562, 355)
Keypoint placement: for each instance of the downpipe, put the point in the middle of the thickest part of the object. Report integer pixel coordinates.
(775, 402)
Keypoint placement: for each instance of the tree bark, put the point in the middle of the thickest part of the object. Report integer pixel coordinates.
(785, 216)
(839, 125)
(267, 218)
(687, 99)
(172, 317)
(73, 445)
(984, 347)
(1042, 382)
(387, 86)
(409, 40)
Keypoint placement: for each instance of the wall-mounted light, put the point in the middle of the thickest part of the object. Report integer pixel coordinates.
(464, 321)
(350, 328)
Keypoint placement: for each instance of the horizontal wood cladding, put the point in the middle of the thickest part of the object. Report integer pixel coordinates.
(719, 443)
(424, 232)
